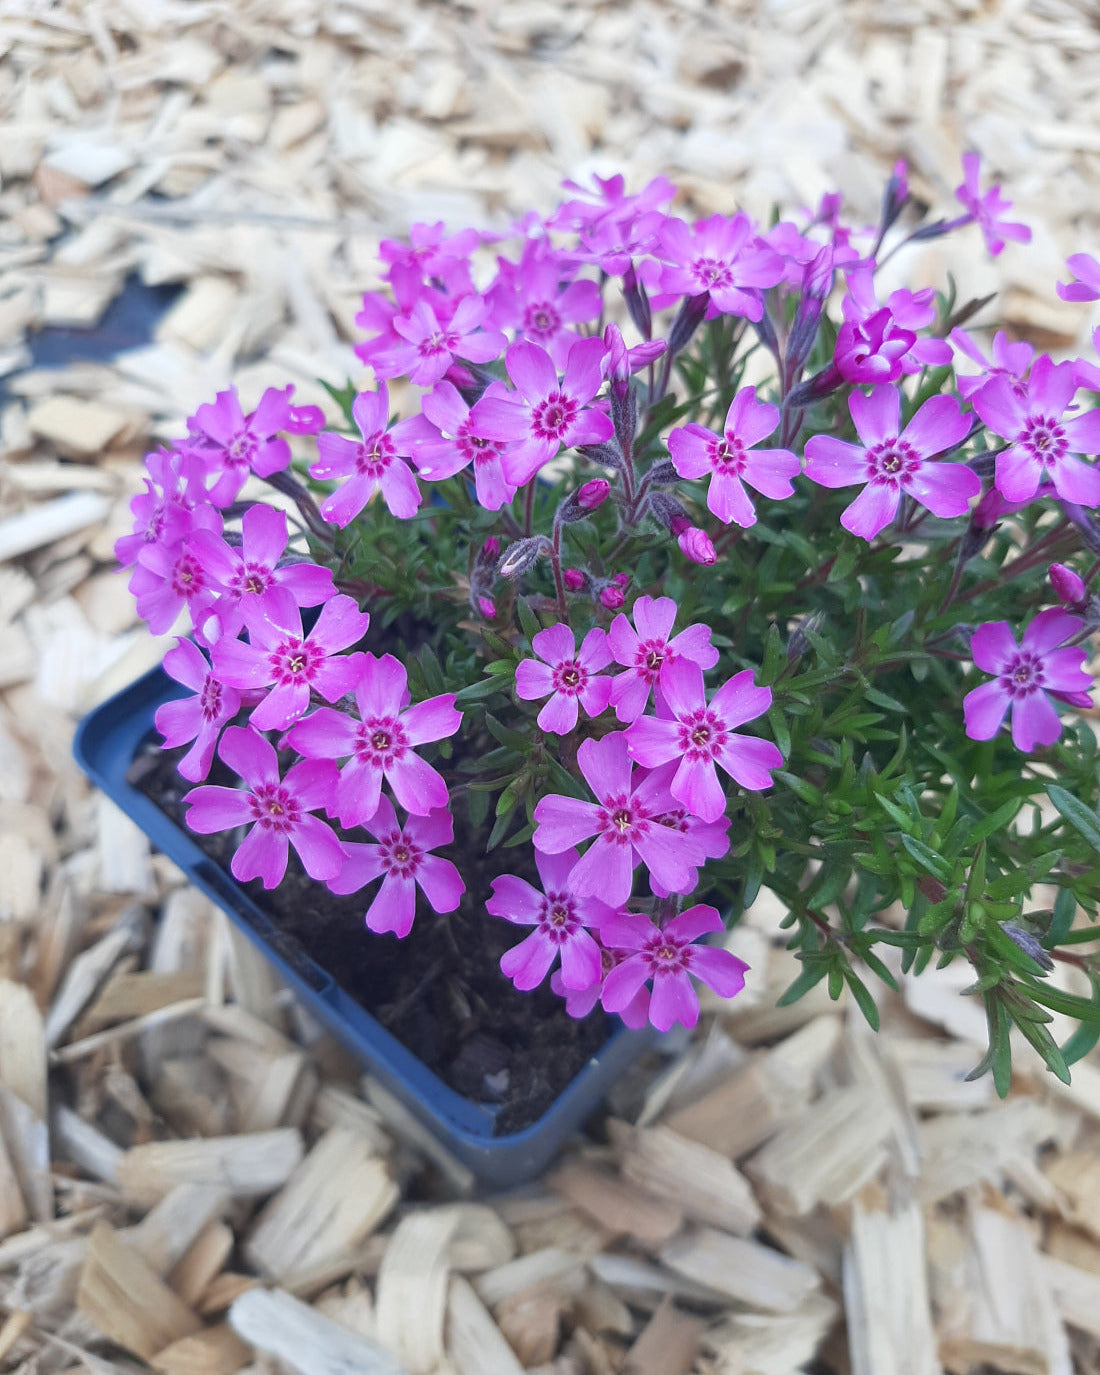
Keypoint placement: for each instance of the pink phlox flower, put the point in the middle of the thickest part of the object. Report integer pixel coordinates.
(534, 299)
(447, 439)
(278, 655)
(431, 341)
(1086, 283)
(608, 200)
(403, 861)
(231, 446)
(279, 810)
(872, 349)
(1086, 374)
(1043, 439)
(373, 462)
(621, 363)
(702, 735)
(544, 413)
(1025, 675)
(571, 678)
(623, 821)
(732, 459)
(645, 647)
(723, 257)
(162, 513)
(614, 245)
(988, 209)
(381, 743)
(432, 253)
(249, 577)
(669, 957)
(167, 578)
(892, 464)
(1008, 358)
(562, 920)
(199, 718)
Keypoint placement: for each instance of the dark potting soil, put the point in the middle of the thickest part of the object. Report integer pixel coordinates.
(439, 991)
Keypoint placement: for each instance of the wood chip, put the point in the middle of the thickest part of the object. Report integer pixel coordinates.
(890, 1328)
(306, 1341)
(748, 1272)
(125, 1300)
(412, 1289)
(245, 1166)
(617, 1205)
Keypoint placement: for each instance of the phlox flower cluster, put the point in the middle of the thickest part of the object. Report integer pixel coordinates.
(559, 472)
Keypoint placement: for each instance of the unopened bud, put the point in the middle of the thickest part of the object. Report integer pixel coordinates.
(616, 364)
(573, 579)
(799, 642)
(687, 321)
(663, 474)
(637, 303)
(612, 597)
(1028, 943)
(695, 545)
(668, 511)
(593, 493)
(621, 580)
(1068, 586)
(487, 607)
(489, 552)
(520, 556)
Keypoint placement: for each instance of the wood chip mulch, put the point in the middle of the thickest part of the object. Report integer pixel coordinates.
(193, 1179)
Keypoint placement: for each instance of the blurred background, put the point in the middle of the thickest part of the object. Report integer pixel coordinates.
(192, 193)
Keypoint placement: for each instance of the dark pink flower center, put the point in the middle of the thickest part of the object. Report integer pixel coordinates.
(570, 677)
(541, 318)
(274, 807)
(664, 954)
(622, 819)
(702, 735)
(1044, 438)
(892, 462)
(727, 455)
(210, 698)
(242, 447)
(675, 821)
(188, 577)
(1023, 675)
(251, 579)
(381, 741)
(399, 855)
(552, 418)
(649, 656)
(475, 447)
(441, 341)
(295, 661)
(374, 456)
(558, 917)
(712, 272)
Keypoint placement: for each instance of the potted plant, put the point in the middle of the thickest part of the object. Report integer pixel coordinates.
(550, 675)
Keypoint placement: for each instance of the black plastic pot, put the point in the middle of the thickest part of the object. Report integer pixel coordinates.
(106, 743)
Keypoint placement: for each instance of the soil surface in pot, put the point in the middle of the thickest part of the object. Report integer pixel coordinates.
(439, 991)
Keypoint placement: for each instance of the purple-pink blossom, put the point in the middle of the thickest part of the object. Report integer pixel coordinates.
(249, 577)
(645, 647)
(721, 257)
(562, 919)
(571, 678)
(403, 861)
(544, 413)
(893, 464)
(163, 512)
(445, 439)
(1086, 283)
(431, 341)
(1042, 439)
(1027, 676)
(199, 718)
(670, 958)
(624, 822)
(702, 735)
(1010, 358)
(988, 209)
(231, 446)
(381, 743)
(292, 664)
(732, 459)
(374, 461)
(279, 810)
(169, 577)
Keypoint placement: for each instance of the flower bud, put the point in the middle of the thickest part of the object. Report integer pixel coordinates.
(487, 607)
(637, 303)
(1068, 586)
(695, 545)
(612, 597)
(621, 580)
(520, 556)
(593, 494)
(573, 579)
(667, 511)
(687, 321)
(616, 365)
(664, 474)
